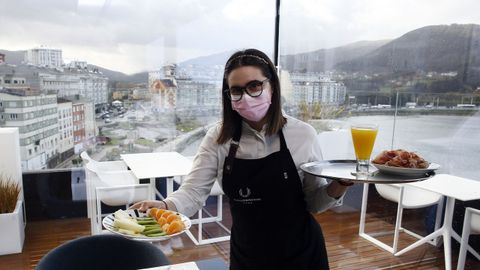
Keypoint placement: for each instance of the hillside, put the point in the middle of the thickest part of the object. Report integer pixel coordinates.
(438, 48)
(13, 57)
(116, 76)
(326, 59)
(209, 60)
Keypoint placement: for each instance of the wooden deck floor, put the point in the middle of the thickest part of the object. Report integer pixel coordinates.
(346, 249)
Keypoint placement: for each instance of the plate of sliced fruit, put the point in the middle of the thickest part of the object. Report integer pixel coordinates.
(154, 225)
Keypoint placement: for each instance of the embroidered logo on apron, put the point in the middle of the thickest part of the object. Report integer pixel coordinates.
(245, 194)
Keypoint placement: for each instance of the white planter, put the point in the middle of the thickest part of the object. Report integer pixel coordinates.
(10, 160)
(12, 233)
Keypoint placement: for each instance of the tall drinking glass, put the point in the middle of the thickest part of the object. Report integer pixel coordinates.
(363, 136)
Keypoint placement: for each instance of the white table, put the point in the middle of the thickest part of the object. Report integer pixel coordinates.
(209, 264)
(179, 266)
(453, 188)
(158, 165)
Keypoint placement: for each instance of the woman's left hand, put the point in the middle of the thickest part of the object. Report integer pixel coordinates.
(338, 187)
(345, 182)
(145, 205)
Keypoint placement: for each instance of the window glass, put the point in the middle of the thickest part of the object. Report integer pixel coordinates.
(345, 62)
(141, 77)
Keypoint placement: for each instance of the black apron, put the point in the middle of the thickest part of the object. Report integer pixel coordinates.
(271, 227)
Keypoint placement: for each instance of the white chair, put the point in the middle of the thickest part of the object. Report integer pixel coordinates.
(119, 196)
(200, 220)
(103, 179)
(471, 225)
(406, 197)
(104, 166)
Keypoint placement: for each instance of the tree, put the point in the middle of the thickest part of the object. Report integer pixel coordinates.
(319, 110)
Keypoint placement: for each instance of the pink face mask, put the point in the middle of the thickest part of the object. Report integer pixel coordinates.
(253, 108)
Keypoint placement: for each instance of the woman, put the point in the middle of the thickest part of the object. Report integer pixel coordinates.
(255, 153)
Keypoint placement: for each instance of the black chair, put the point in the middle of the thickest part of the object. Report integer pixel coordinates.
(102, 252)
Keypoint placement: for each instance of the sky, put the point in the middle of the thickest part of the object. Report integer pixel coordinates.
(133, 36)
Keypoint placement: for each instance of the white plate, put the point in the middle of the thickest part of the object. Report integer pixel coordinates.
(108, 224)
(406, 171)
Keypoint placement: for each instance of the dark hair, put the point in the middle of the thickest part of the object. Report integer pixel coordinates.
(231, 120)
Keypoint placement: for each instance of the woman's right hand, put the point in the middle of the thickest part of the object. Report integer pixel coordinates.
(143, 206)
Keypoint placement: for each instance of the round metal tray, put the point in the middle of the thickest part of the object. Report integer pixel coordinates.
(343, 169)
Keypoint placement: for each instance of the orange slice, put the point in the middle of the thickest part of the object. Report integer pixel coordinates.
(152, 212)
(172, 218)
(162, 221)
(175, 226)
(159, 213)
(166, 214)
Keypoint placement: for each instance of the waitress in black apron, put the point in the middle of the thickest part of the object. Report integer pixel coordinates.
(270, 202)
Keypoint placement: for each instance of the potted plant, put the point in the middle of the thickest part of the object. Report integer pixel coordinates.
(12, 223)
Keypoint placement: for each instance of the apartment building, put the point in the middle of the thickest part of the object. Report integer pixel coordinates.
(65, 128)
(316, 88)
(35, 115)
(78, 114)
(197, 96)
(44, 56)
(70, 82)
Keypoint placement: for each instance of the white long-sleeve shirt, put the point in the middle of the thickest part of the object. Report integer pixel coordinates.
(301, 139)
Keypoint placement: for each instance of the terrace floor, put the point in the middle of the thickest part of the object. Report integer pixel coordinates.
(345, 248)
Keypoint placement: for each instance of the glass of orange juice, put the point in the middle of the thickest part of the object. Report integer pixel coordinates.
(363, 136)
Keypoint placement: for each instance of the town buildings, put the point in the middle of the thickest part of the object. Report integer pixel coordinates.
(82, 90)
(35, 115)
(52, 104)
(65, 82)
